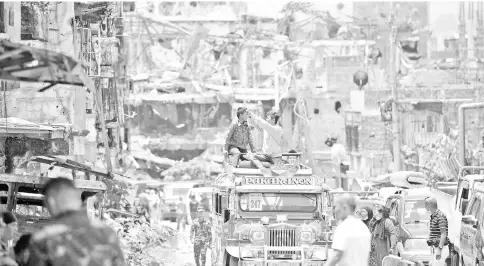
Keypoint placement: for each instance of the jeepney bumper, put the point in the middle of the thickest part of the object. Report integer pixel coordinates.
(292, 256)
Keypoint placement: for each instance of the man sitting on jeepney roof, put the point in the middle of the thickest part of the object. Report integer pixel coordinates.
(238, 138)
(273, 134)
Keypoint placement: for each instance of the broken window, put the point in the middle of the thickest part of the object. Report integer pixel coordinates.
(34, 22)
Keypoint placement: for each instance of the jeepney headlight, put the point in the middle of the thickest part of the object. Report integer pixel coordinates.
(257, 235)
(241, 235)
(308, 253)
(306, 236)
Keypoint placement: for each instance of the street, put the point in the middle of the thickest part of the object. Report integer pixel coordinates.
(181, 253)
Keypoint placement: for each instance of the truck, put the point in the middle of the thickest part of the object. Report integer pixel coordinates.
(269, 220)
(21, 194)
(453, 199)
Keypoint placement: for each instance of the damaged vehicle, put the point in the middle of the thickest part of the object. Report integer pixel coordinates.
(22, 195)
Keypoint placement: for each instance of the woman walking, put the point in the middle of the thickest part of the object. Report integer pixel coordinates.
(366, 214)
(384, 238)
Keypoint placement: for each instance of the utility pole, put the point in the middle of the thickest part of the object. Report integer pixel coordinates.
(393, 85)
(462, 33)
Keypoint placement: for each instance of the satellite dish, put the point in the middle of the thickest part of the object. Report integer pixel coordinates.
(360, 78)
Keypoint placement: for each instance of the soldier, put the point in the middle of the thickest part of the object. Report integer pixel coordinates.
(5, 255)
(10, 229)
(21, 249)
(201, 237)
(71, 238)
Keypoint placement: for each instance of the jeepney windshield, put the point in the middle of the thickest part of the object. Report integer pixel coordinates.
(276, 202)
(31, 210)
(415, 212)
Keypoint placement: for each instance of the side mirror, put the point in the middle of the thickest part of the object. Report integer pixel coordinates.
(226, 216)
(469, 219)
(334, 223)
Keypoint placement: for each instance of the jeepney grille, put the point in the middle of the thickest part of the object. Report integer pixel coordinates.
(282, 238)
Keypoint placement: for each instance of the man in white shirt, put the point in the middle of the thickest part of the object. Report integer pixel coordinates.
(340, 162)
(273, 133)
(351, 239)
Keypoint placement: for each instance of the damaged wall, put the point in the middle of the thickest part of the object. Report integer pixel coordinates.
(18, 151)
(161, 119)
(54, 106)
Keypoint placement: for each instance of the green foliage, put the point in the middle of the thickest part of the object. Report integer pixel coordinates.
(29, 15)
(440, 150)
(137, 240)
(191, 170)
(94, 11)
(116, 194)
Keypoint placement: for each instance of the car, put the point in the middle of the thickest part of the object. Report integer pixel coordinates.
(408, 212)
(472, 230)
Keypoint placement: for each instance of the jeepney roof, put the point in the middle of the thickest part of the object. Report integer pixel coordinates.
(412, 193)
(280, 189)
(473, 177)
(302, 171)
(479, 187)
(39, 181)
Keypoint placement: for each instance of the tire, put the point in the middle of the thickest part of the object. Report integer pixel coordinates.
(231, 261)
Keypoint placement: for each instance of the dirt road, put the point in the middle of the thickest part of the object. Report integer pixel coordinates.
(181, 253)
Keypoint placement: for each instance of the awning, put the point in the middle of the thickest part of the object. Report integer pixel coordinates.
(69, 164)
(20, 62)
(16, 126)
(38, 180)
(176, 98)
(244, 94)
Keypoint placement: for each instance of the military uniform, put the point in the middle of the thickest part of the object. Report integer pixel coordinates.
(6, 255)
(201, 234)
(72, 239)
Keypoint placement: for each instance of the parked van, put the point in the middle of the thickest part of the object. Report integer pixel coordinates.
(472, 229)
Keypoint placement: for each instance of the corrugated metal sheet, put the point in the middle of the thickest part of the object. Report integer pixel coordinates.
(13, 125)
(420, 127)
(177, 98)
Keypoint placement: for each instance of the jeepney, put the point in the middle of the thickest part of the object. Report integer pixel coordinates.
(269, 220)
(22, 195)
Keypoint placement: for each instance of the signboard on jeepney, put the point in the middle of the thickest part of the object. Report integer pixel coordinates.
(284, 181)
